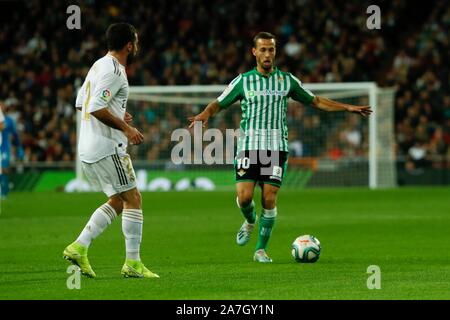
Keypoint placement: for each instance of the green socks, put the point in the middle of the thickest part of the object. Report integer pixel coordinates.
(265, 227)
(249, 212)
(265, 223)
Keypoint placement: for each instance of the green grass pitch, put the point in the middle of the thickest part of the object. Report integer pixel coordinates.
(189, 240)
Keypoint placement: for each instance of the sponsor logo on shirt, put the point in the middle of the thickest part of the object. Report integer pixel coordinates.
(266, 92)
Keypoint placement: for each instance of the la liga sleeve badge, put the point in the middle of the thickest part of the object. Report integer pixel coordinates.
(105, 95)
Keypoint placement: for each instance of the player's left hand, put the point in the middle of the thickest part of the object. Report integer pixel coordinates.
(203, 117)
(128, 118)
(362, 110)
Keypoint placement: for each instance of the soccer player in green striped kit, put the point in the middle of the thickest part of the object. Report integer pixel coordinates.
(262, 151)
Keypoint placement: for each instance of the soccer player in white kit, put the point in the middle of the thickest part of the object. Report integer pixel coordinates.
(104, 134)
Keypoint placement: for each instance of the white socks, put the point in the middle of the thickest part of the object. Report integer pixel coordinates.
(132, 220)
(269, 213)
(100, 219)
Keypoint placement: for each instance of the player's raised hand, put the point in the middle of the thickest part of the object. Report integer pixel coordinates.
(203, 117)
(133, 135)
(128, 118)
(362, 110)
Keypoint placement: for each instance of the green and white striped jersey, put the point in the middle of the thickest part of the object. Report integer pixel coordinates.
(264, 105)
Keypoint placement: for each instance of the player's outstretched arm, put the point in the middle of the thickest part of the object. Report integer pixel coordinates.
(109, 119)
(210, 110)
(331, 105)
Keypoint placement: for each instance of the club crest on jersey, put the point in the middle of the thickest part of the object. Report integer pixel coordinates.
(105, 94)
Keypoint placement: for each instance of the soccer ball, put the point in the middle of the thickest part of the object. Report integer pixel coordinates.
(306, 249)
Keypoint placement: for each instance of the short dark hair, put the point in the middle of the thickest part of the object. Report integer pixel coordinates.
(119, 34)
(263, 35)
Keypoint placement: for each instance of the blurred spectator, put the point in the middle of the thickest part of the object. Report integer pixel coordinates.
(293, 48)
(417, 156)
(295, 145)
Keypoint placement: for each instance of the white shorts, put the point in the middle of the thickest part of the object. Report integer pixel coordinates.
(113, 174)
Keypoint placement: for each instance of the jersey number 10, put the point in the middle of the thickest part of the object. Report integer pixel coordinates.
(243, 163)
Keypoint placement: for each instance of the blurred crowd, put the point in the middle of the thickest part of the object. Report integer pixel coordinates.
(209, 42)
(421, 74)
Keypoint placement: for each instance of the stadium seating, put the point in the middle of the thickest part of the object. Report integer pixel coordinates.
(319, 41)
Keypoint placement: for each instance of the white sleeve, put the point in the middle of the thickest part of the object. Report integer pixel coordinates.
(107, 87)
(2, 117)
(80, 96)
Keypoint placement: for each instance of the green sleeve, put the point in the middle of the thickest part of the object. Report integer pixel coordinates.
(231, 94)
(299, 93)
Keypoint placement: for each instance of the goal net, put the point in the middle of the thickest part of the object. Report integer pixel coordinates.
(327, 149)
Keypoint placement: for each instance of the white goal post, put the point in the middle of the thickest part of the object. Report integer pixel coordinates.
(376, 137)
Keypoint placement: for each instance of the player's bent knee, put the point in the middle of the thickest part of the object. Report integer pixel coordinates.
(116, 202)
(245, 198)
(138, 198)
(132, 199)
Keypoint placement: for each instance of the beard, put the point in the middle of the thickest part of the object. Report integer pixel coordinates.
(131, 58)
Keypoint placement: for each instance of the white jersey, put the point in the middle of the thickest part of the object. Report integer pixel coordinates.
(106, 85)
